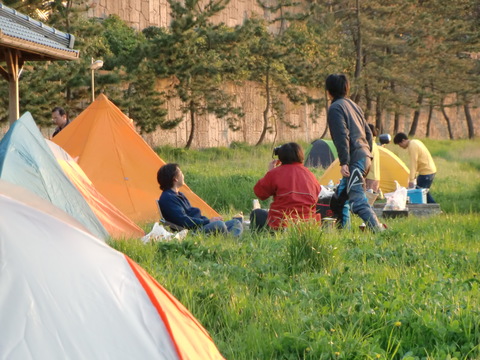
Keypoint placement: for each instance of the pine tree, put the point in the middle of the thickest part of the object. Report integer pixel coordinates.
(192, 52)
(264, 60)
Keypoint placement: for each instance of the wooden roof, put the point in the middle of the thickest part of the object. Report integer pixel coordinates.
(35, 40)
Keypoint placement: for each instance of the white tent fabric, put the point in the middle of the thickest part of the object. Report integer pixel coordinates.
(67, 295)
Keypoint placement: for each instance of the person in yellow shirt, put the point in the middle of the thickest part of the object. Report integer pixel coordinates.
(372, 180)
(422, 167)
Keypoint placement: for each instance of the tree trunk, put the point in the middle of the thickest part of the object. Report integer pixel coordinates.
(369, 102)
(396, 122)
(358, 60)
(396, 116)
(468, 117)
(447, 119)
(429, 121)
(416, 116)
(266, 110)
(68, 7)
(326, 117)
(192, 122)
(358, 50)
(378, 114)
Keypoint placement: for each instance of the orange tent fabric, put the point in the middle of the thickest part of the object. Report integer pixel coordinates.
(190, 338)
(392, 169)
(120, 164)
(115, 222)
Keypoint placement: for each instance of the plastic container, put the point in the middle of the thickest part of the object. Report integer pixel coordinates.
(371, 197)
(417, 196)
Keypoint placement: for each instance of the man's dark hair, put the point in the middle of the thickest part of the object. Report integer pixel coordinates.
(166, 175)
(373, 129)
(337, 85)
(399, 138)
(290, 153)
(61, 111)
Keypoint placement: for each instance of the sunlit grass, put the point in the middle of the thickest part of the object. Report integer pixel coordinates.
(312, 293)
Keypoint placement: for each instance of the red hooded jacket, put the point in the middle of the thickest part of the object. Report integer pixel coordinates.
(295, 194)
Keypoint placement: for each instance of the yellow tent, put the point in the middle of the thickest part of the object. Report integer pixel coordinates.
(391, 168)
(120, 164)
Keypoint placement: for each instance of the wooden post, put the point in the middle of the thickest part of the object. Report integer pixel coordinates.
(12, 74)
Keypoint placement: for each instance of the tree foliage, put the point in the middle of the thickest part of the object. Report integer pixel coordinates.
(192, 53)
(403, 57)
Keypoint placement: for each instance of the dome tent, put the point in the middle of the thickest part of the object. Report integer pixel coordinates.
(321, 154)
(67, 295)
(26, 160)
(392, 169)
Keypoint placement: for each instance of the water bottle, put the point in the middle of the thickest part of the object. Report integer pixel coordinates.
(330, 185)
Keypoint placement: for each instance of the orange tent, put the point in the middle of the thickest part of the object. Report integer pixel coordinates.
(115, 222)
(120, 164)
(392, 169)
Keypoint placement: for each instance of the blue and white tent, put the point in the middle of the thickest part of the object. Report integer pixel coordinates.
(27, 161)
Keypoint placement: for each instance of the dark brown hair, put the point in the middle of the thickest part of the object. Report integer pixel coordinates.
(290, 153)
(166, 175)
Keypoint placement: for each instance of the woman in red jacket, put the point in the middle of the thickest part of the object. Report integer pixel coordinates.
(294, 189)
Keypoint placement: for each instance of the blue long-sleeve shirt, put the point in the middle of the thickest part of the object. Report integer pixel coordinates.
(177, 209)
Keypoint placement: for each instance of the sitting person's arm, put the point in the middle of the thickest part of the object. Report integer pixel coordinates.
(264, 188)
(177, 209)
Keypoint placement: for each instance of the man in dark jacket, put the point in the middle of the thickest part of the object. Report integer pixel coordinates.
(353, 139)
(60, 118)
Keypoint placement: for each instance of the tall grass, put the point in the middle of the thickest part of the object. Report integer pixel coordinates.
(311, 293)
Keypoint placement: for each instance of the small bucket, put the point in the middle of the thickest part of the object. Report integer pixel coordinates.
(328, 223)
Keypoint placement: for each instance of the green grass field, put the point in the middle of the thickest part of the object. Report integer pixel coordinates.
(412, 292)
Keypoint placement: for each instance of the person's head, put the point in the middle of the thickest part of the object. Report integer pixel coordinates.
(290, 153)
(59, 116)
(401, 139)
(170, 175)
(373, 129)
(337, 85)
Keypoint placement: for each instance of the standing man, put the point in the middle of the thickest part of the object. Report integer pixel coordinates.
(353, 139)
(59, 117)
(421, 163)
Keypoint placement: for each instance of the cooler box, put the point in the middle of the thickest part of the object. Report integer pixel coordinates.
(417, 196)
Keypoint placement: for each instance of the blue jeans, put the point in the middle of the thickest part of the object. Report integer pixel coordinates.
(357, 200)
(234, 227)
(424, 182)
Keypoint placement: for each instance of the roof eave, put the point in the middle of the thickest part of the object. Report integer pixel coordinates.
(35, 52)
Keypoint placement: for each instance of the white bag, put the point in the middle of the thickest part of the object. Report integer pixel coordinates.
(159, 233)
(396, 200)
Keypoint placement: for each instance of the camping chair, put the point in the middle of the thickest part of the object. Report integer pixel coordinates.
(172, 226)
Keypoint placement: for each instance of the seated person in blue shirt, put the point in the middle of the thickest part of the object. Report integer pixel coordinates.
(176, 208)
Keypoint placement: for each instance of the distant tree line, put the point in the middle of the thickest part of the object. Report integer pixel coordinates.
(400, 54)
